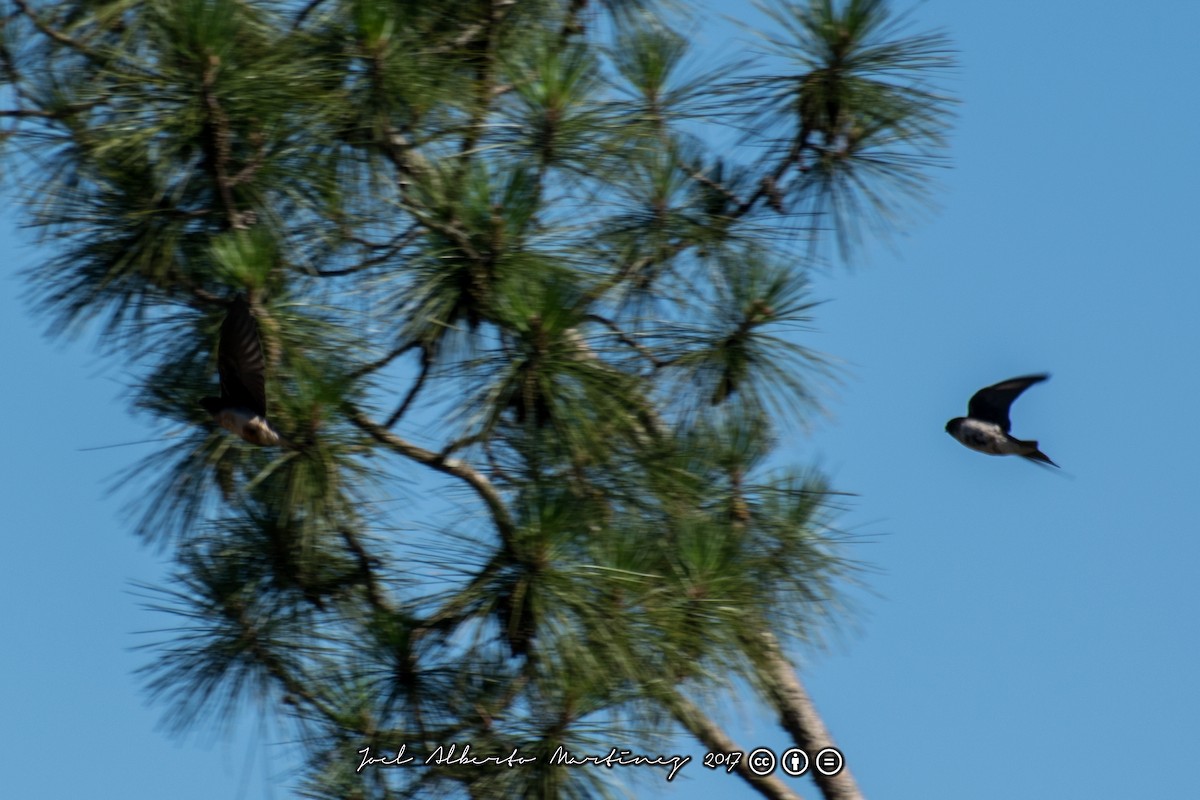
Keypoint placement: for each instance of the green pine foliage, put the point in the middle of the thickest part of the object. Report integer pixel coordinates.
(531, 332)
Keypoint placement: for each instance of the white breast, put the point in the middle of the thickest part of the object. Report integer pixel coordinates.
(986, 437)
(251, 427)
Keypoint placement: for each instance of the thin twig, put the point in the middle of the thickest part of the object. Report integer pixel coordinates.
(247, 172)
(273, 664)
(374, 594)
(768, 185)
(768, 188)
(304, 12)
(465, 441)
(426, 366)
(627, 340)
(702, 179)
(573, 25)
(380, 363)
(450, 466)
(390, 250)
(29, 112)
(54, 34)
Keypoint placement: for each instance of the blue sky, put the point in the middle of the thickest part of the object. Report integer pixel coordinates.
(1023, 633)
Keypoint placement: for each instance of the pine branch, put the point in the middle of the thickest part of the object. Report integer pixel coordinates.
(275, 667)
(309, 7)
(54, 34)
(450, 466)
(625, 339)
(57, 113)
(573, 24)
(30, 112)
(246, 173)
(380, 363)
(217, 144)
(389, 252)
(366, 568)
(767, 188)
(798, 716)
(715, 740)
(483, 42)
(426, 367)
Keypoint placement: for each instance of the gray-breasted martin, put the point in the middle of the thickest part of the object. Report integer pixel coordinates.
(242, 406)
(985, 428)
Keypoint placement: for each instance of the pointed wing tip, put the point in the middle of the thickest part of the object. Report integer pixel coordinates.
(1024, 380)
(992, 403)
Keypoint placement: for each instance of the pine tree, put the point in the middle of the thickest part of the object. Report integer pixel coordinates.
(530, 283)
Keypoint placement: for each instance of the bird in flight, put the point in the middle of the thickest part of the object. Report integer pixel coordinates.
(242, 406)
(985, 427)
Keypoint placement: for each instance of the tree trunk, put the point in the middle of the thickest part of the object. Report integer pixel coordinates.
(799, 718)
(711, 735)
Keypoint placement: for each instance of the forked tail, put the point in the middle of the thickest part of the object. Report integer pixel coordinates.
(1033, 453)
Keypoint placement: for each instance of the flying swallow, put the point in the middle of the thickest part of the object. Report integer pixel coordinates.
(985, 428)
(242, 406)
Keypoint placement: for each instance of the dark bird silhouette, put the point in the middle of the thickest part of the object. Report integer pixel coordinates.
(986, 426)
(517, 620)
(242, 406)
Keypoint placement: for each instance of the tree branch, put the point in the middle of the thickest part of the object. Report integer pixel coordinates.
(702, 179)
(798, 716)
(426, 366)
(54, 34)
(485, 46)
(274, 666)
(309, 7)
(390, 250)
(768, 186)
(450, 466)
(217, 145)
(627, 340)
(254, 164)
(64, 112)
(573, 24)
(29, 112)
(714, 738)
(365, 566)
(380, 363)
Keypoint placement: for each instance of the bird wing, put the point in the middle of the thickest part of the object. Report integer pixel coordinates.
(240, 360)
(992, 404)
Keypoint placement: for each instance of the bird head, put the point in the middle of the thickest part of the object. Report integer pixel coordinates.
(953, 425)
